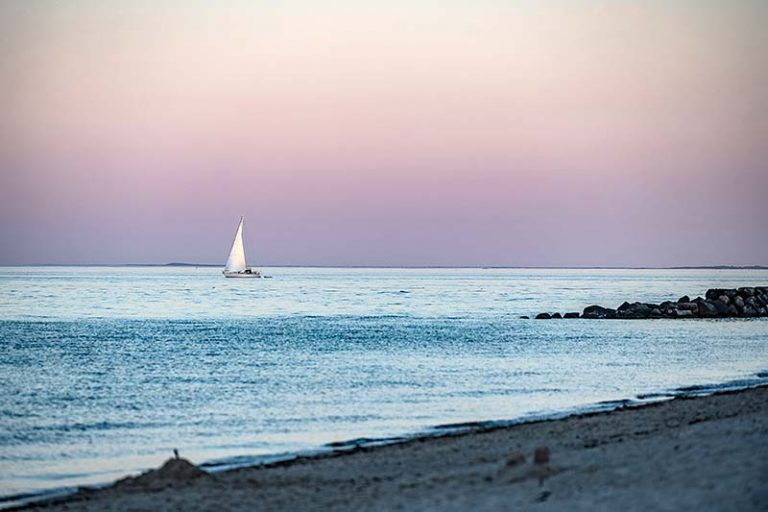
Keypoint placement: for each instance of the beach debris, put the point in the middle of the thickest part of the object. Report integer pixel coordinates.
(173, 472)
(516, 470)
(541, 455)
(539, 472)
(745, 302)
(515, 459)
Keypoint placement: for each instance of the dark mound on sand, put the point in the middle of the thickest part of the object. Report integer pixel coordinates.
(172, 473)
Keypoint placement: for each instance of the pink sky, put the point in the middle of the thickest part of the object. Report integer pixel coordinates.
(534, 133)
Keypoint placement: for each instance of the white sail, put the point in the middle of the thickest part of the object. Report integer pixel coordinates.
(236, 260)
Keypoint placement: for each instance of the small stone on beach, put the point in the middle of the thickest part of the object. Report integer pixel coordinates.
(515, 459)
(541, 455)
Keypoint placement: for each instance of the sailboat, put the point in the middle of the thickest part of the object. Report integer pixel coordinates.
(236, 266)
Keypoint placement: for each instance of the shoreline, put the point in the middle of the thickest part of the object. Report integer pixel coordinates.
(463, 433)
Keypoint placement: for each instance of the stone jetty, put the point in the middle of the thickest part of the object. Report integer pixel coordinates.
(747, 302)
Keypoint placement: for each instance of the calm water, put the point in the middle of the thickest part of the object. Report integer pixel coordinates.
(103, 371)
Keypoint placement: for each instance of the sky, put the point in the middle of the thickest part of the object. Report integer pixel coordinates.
(477, 132)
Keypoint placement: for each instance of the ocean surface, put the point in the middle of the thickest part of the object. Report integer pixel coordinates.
(105, 370)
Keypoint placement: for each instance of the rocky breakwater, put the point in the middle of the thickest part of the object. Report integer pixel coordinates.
(747, 302)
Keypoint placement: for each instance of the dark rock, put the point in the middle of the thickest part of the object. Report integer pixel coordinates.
(598, 312)
(557, 315)
(637, 307)
(714, 293)
(707, 309)
(721, 307)
(667, 308)
(718, 303)
(749, 311)
(634, 310)
(543, 316)
(525, 317)
(693, 307)
(746, 292)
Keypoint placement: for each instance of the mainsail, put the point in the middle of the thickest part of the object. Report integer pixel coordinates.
(236, 260)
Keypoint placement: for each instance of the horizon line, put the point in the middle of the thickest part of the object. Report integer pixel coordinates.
(531, 267)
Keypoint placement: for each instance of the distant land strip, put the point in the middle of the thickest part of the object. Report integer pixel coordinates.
(488, 267)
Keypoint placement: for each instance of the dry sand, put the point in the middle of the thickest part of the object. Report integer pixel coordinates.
(708, 453)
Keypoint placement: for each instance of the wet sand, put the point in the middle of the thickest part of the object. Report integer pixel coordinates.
(706, 453)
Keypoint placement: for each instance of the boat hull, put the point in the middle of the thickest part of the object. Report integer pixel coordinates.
(242, 275)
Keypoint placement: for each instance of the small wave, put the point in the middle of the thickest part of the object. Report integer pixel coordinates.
(504, 392)
(364, 441)
(98, 425)
(733, 385)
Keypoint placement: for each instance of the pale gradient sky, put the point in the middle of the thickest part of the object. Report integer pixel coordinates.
(533, 133)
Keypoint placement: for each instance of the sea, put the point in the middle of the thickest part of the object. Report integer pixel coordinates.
(104, 371)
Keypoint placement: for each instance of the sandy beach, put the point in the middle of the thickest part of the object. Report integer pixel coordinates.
(705, 453)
